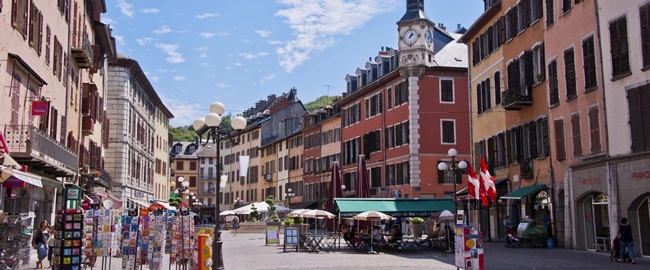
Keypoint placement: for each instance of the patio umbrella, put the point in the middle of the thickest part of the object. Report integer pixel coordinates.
(362, 189)
(316, 214)
(335, 191)
(372, 216)
(446, 215)
(227, 213)
(297, 212)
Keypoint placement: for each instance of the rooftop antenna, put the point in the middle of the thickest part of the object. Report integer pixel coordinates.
(328, 89)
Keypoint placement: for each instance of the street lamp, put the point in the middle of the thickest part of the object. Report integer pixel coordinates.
(217, 131)
(289, 194)
(455, 168)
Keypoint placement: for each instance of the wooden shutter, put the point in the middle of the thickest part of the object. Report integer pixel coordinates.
(576, 137)
(554, 96)
(645, 33)
(479, 99)
(491, 153)
(570, 73)
(560, 152)
(488, 99)
(545, 139)
(502, 29)
(638, 99)
(589, 56)
(530, 72)
(594, 129)
(550, 16)
(30, 38)
(532, 138)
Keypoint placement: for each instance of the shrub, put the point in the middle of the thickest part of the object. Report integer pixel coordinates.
(417, 220)
(288, 221)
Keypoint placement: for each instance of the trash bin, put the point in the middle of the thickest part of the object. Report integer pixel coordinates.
(550, 243)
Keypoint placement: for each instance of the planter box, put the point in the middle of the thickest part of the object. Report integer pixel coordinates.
(418, 229)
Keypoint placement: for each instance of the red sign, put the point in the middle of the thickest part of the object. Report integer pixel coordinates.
(3, 144)
(85, 204)
(40, 107)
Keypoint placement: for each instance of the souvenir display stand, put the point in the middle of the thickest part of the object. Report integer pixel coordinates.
(156, 238)
(130, 236)
(101, 228)
(14, 243)
(67, 246)
(184, 250)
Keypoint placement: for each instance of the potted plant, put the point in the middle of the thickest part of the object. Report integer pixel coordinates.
(417, 226)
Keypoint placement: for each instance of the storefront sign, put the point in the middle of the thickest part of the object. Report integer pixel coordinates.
(590, 181)
(85, 204)
(641, 175)
(73, 193)
(40, 107)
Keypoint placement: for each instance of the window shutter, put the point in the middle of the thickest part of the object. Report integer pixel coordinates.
(589, 57)
(479, 99)
(519, 140)
(576, 138)
(560, 152)
(488, 98)
(594, 129)
(30, 38)
(14, 13)
(545, 139)
(530, 72)
(532, 135)
(502, 30)
(645, 33)
(491, 154)
(497, 88)
(569, 73)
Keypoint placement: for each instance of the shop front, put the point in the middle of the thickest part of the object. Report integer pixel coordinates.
(530, 203)
(592, 223)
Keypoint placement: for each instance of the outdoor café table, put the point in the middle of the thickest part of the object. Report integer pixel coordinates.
(410, 243)
(313, 242)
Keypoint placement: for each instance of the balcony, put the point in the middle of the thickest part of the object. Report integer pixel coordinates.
(207, 177)
(204, 192)
(515, 99)
(81, 50)
(104, 179)
(34, 148)
(87, 125)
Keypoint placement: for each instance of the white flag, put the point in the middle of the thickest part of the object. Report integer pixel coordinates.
(223, 181)
(243, 166)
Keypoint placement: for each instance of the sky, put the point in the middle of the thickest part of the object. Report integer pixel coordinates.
(195, 52)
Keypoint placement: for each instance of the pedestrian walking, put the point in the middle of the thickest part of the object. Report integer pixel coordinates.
(235, 225)
(50, 246)
(625, 231)
(40, 239)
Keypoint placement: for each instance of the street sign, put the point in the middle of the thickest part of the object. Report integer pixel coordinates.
(85, 204)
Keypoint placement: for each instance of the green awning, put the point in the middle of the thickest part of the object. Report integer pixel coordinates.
(349, 207)
(523, 192)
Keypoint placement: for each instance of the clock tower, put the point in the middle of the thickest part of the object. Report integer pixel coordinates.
(415, 32)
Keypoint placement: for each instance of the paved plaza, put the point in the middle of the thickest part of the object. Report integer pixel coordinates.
(248, 251)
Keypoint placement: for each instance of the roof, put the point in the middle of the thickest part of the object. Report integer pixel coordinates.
(454, 54)
(184, 153)
(27, 68)
(396, 207)
(208, 150)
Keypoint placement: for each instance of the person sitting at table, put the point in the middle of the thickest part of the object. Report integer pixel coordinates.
(395, 234)
(436, 230)
(353, 239)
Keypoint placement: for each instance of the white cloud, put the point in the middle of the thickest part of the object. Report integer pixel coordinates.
(179, 78)
(275, 42)
(207, 15)
(227, 68)
(155, 78)
(125, 8)
(238, 64)
(203, 55)
(163, 30)
(170, 49)
(183, 111)
(205, 64)
(317, 23)
(206, 35)
(267, 78)
(143, 41)
(150, 10)
(119, 39)
(222, 85)
(223, 34)
(253, 56)
(109, 21)
(263, 33)
(202, 48)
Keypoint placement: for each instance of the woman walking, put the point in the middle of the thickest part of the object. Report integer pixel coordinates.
(40, 239)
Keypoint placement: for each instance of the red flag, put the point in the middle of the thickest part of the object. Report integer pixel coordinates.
(474, 185)
(488, 182)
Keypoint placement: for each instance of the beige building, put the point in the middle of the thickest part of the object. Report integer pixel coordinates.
(161, 177)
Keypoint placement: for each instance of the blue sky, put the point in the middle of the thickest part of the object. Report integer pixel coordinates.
(195, 52)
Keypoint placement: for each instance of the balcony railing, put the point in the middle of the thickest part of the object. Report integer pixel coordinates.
(81, 49)
(87, 125)
(38, 150)
(207, 177)
(105, 178)
(207, 191)
(515, 99)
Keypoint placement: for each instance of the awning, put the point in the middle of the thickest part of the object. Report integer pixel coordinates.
(396, 207)
(523, 192)
(141, 203)
(52, 183)
(312, 204)
(10, 175)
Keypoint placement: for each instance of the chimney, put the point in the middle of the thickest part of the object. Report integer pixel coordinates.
(458, 27)
(442, 26)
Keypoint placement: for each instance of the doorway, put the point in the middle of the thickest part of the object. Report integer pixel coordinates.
(595, 216)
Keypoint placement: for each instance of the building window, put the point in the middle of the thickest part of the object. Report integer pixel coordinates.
(566, 6)
(446, 90)
(639, 105)
(401, 93)
(538, 63)
(373, 105)
(575, 134)
(193, 165)
(389, 101)
(375, 177)
(501, 150)
(619, 47)
(550, 16)
(542, 137)
(554, 94)
(570, 73)
(497, 88)
(372, 142)
(179, 165)
(448, 131)
(644, 15)
(589, 56)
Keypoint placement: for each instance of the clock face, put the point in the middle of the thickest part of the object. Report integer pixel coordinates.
(410, 37)
(428, 37)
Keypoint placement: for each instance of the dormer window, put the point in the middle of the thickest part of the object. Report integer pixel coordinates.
(177, 148)
(191, 148)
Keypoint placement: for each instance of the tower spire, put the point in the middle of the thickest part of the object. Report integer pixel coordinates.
(414, 10)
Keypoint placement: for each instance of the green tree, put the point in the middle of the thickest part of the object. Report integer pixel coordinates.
(182, 134)
(320, 102)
